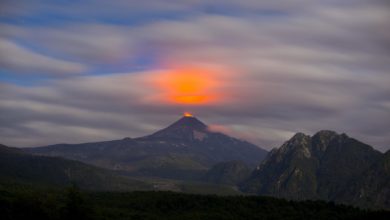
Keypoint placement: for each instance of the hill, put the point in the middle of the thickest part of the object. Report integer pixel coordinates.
(17, 167)
(230, 173)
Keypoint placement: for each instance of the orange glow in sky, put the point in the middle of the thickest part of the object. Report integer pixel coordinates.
(188, 86)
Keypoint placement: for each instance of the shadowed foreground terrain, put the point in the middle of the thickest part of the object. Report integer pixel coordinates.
(25, 203)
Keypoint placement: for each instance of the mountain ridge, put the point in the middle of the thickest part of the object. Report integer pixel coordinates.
(186, 145)
(323, 166)
(17, 167)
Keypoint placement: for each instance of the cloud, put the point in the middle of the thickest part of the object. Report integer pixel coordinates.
(90, 43)
(116, 106)
(282, 68)
(17, 59)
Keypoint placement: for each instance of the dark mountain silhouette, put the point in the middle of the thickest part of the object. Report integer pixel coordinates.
(327, 166)
(20, 169)
(17, 167)
(184, 150)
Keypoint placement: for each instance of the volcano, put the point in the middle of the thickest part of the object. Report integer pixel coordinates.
(178, 151)
(186, 128)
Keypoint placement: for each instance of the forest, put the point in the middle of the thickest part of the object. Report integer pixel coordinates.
(26, 202)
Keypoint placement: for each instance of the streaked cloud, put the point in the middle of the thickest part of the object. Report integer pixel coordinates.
(282, 67)
(17, 59)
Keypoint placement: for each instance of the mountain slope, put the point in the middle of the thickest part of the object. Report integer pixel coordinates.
(21, 168)
(373, 189)
(183, 129)
(324, 166)
(185, 149)
(230, 173)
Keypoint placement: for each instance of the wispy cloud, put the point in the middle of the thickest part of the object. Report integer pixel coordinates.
(17, 59)
(286, 68)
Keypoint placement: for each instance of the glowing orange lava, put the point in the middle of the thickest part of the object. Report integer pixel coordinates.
(190, 86)
(187, 114)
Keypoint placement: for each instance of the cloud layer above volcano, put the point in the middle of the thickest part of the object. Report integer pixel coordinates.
(78, 72)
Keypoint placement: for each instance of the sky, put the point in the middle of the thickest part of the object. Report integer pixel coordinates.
(83, 71)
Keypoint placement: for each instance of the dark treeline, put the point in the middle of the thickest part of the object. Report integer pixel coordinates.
(71, 203)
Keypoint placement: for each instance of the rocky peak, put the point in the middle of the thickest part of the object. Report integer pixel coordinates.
(326, 134)
(322, 139)
(299, 142)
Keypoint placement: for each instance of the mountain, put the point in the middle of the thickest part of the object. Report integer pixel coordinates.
(229, 173)
(184, 150)
(327, 166)
(17, 167)
(187, 128)
(373, 190)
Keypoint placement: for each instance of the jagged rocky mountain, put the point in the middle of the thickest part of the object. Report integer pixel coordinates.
(326, 166)
(184, 150)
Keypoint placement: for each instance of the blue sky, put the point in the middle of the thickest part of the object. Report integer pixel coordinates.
(78, 71)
